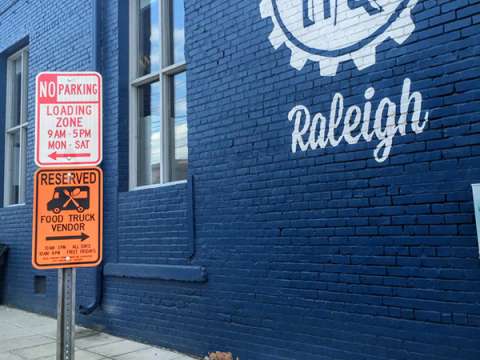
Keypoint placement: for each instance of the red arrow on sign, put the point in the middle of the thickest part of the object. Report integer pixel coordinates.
(55, 155)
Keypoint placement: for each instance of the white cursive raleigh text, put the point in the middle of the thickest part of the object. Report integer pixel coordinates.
(354, 123)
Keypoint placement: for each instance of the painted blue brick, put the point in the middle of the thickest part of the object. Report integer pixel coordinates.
(319, 255)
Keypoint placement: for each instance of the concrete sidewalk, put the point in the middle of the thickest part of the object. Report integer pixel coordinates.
(27, 336)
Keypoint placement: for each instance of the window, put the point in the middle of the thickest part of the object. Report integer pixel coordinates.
(16, 128)
(158, 86)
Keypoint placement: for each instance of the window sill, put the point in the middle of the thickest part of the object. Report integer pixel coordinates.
(13, 206)
(155, 186)
(187, 273)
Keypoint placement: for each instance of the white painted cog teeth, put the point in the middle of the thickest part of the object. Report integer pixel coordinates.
(413, 3)
(266, 9)
(328, 66)
(401, 29)
(298, 62)
(400, 39)
(404, 28)
(365, 57)
(298, 59)
(276, 38)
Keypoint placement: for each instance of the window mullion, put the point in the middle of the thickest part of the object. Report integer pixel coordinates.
(8, 107)
(21, 165)
(166, 29)
(13, 129)
(6, 183)
(23, 129)
(134, 38)
(8, 111)
(23, 90)
(166, 128)
(133, 92)
(163, 24)
(145, 79)
(174, 69)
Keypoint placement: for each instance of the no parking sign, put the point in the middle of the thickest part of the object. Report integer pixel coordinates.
(68, 123)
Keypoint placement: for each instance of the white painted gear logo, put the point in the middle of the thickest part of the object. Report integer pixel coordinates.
(333, 31)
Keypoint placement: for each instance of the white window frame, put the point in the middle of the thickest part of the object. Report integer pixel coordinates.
(164, 76)
(21, 128)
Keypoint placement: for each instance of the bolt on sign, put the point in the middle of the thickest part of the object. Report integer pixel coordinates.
(68, 120)
(67, 218)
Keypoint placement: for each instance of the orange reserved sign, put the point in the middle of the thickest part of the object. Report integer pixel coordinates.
(67, 218)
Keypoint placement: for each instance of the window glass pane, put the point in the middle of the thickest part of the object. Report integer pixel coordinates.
(149, 133)
(178, 31)
(13, 170)
(149, 37)
(15, 95)
(23, 164)
(180, 131)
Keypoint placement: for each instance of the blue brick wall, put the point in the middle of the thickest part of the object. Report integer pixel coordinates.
(153, 226)
(48, 28)
(323, 254)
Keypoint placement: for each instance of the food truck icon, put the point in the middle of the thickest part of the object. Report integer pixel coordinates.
(70, 198)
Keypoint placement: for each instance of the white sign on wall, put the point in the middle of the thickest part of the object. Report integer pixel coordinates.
(355, 123)
(330, 32)
(333, 31)
(68, 122)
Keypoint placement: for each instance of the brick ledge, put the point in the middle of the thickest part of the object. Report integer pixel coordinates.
(184, 273)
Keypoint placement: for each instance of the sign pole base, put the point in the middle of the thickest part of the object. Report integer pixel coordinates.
(66, 314)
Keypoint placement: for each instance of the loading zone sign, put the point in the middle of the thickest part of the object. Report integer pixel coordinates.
(67, 218)
(68, 124)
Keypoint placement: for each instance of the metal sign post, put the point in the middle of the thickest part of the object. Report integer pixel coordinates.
(66, 314)
(67, 227)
